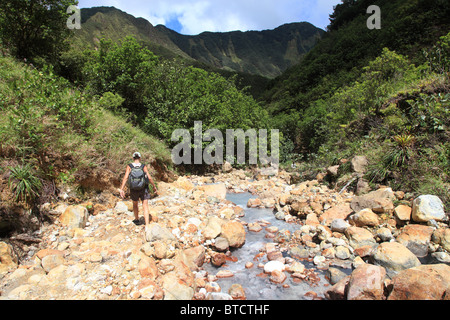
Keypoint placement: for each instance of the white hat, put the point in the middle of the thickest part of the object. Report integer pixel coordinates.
(136, 155)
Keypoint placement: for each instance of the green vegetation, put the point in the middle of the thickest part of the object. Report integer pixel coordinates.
(50, 131)
(35, 30)
(24, 183)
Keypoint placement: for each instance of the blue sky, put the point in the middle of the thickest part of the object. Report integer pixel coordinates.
(195, 16)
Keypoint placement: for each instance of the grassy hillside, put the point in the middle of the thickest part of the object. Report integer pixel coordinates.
(52, 133)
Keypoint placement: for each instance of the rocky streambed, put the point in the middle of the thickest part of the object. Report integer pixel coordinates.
(237, 236)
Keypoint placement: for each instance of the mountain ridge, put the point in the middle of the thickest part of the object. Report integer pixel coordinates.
(266, 53)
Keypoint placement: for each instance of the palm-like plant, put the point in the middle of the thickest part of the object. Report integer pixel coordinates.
(24, 184)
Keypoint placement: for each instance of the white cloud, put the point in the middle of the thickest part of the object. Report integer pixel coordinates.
(197, 16)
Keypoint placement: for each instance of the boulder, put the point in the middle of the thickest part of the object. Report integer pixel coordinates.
(74, 217)
(156, 232)
(339, 290)
(403, 212)
(175, 289)
(362, 187)
(195, 257)
(394, 257)
(416, 238)
(427, 282)
(359, 164)
(213, 228)
(380, 201)
(237, 292)
(234, 232)
(52, 261)
(183, 183)
(8, 260)
(218, 191)
(339, 225)
(221, 244)
(333, 171)
(340, 211)
(366, 283)
(273, 265)
(442, 236)
(121, 207)
(147, 268)
(359, 237)
(428, 207)
(365, 217)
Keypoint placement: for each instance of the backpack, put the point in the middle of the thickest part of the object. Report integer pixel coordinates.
(137, 179)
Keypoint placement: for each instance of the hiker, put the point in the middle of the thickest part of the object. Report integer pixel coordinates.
(138, 177)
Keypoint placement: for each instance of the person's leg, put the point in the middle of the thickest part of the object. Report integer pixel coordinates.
(136, 210)
(146, 212)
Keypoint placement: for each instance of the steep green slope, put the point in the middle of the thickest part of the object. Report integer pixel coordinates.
(266, 53)
(407, 27)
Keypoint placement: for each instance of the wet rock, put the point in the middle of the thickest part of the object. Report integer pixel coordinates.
(271, 266)
(237, 292)
(277, 276)
(254, 227)
(428, 207)
(416, 238)
(218, 259)
(394, 257)
(366, 283)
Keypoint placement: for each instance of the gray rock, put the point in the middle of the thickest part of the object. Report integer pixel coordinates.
(156, 232)
(339, 225)
(428, 207)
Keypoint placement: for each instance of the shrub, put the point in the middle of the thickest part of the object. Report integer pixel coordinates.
(24, 183)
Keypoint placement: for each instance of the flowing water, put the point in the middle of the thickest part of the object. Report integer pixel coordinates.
(257, 285)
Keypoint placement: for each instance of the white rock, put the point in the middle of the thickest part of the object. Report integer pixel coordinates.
(274, 265)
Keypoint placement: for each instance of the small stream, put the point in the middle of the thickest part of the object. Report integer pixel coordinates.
(257, 285)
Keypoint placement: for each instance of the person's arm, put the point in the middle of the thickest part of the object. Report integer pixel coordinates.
(150, 179)
(124, 181)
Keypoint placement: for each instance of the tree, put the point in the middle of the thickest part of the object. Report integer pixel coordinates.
(35, 28)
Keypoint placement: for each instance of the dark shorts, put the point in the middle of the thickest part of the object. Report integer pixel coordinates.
(142, 195)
